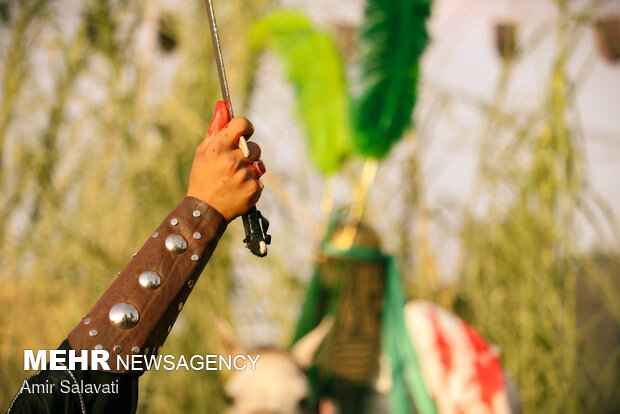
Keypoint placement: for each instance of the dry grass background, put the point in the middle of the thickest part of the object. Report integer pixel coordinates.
(94, 155)
(98, 125)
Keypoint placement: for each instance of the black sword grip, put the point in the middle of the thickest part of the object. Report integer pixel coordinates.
(255, 226)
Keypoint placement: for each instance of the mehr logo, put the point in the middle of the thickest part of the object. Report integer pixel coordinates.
(99, 360)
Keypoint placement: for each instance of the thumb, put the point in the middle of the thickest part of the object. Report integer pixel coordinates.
(219, 120)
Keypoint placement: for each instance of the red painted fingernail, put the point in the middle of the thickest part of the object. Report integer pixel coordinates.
(261, 166)
(256, 171)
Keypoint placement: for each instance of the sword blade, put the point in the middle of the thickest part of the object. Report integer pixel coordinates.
(219, 59)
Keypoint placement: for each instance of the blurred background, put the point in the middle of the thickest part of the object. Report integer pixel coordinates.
(500, 201)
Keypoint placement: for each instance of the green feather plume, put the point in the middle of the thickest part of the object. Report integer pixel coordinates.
(315, 68)
(393, 38)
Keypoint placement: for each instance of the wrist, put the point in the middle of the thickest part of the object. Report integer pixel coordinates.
(213, 205)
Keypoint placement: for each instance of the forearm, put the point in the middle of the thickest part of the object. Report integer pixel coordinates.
(137, 311)
(155, 284)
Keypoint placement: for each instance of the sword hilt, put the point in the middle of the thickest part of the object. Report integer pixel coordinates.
(255, 225)
(256, 237)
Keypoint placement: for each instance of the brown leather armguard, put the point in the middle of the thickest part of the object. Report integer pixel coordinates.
(136, 313)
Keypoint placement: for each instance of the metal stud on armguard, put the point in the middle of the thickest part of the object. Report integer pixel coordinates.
(124, 315)
(149, 280)
(176, 244)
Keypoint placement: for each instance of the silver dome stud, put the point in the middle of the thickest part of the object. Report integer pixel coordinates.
(135, 349)
(87, 321)
(180, 305)
(124, 316)
(190, 284)
(195, 257)
(197, 213)
(197, 236)
(174, 221)
(155, 235)
(146, 351)
(98, 347)
(118, 349)
(176, 243)
(169, 328)
(92, 332)
(149, 279)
